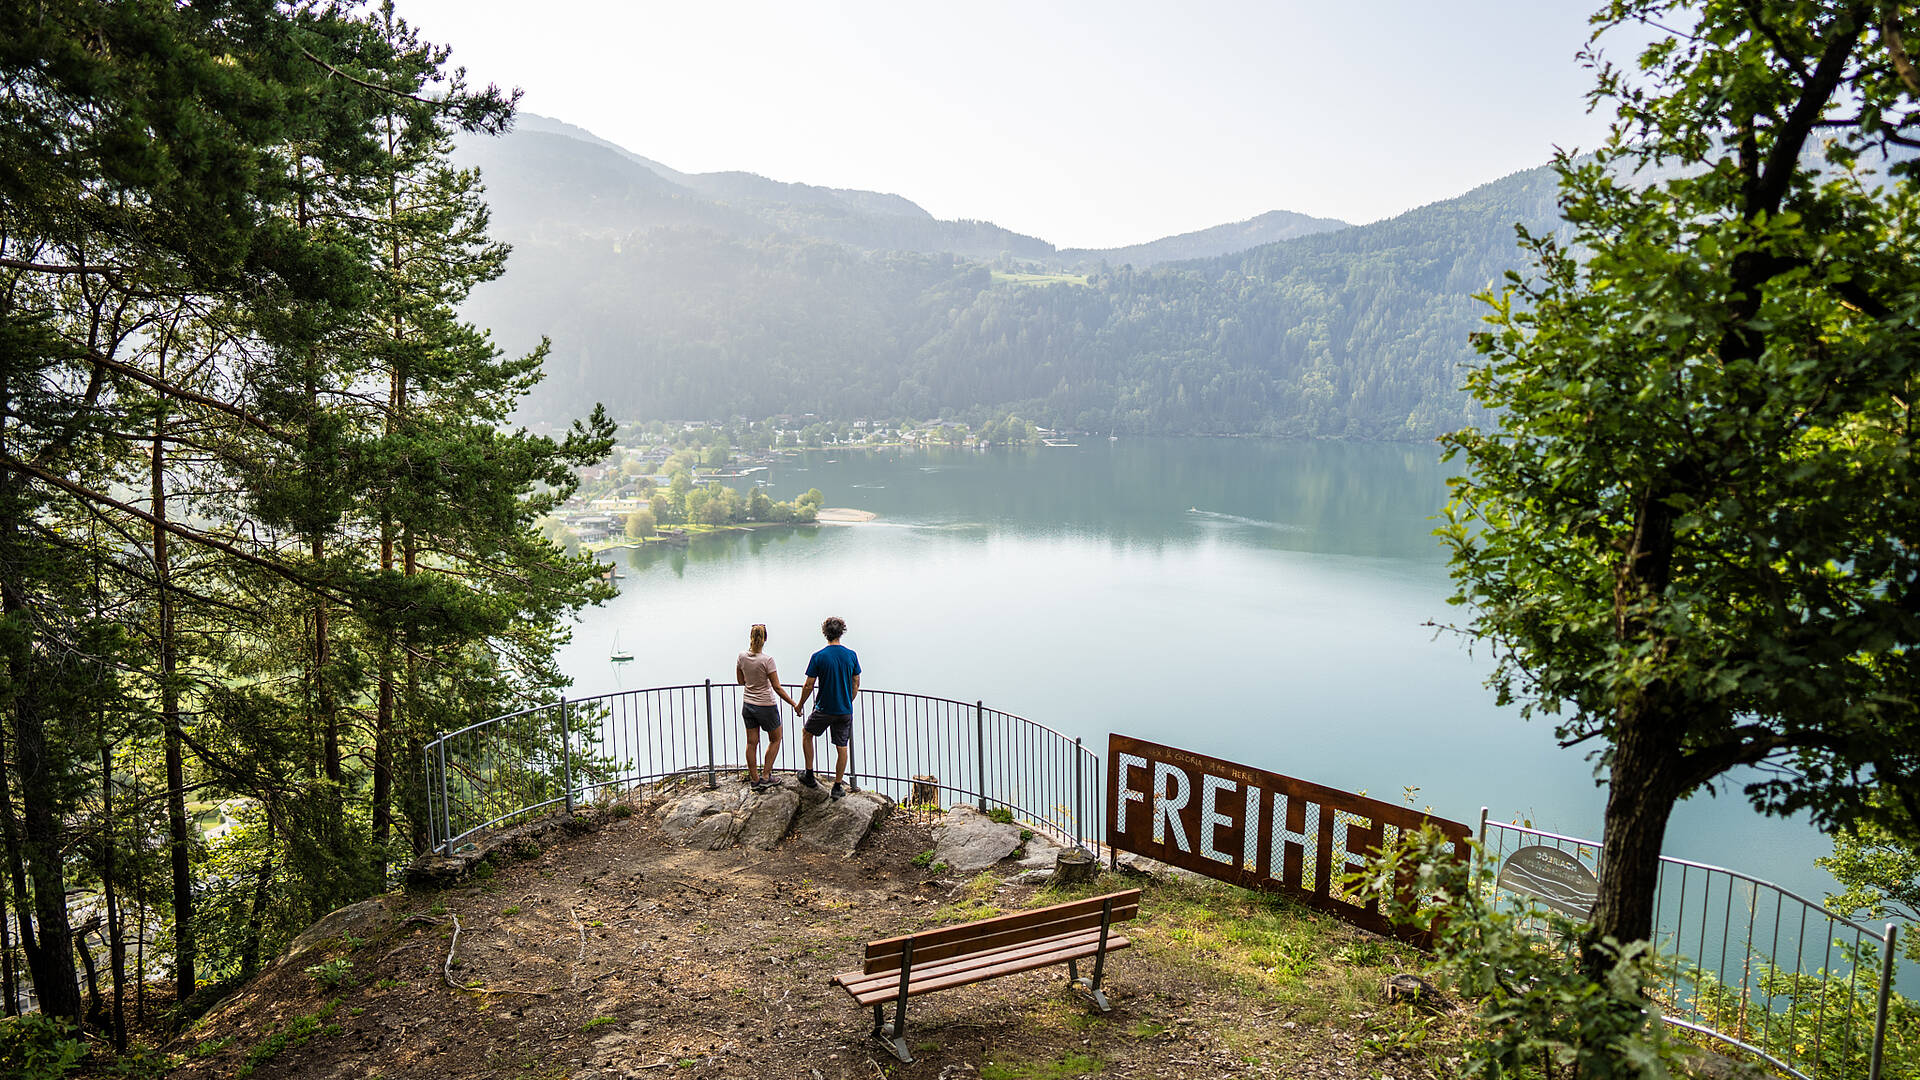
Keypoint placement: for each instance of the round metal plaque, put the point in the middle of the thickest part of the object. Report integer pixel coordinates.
(1552, 877)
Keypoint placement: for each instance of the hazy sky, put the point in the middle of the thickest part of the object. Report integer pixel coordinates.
(1086, 124)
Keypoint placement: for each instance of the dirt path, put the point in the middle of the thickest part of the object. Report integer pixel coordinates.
(617, 955)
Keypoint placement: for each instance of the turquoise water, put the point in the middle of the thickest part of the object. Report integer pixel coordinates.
(1268, 602)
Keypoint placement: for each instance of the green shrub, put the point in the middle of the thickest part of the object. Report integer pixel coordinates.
(1000, 814)
(1541, 1013)
(334, 973)
(35, 1047)
(622, 810)
(923, 860)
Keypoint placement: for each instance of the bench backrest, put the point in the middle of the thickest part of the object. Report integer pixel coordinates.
(999, 932)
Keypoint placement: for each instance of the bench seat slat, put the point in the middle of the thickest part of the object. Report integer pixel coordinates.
(976, 968)
(1128, 899)
(990, 936)
(862, 979)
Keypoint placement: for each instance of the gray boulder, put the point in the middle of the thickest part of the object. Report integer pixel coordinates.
(764, 819)
(1041, 853)
(969, 841)
(354, 920)
(681, 818)
(838, 825)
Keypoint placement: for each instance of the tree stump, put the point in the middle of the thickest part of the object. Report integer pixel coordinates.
(926, 792)
(1074, 865)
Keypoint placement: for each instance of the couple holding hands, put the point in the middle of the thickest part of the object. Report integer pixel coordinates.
(836, 670)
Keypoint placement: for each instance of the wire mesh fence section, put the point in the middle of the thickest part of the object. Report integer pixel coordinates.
(911, 747)
(1754, 965)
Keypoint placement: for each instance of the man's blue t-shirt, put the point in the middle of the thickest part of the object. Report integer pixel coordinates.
(835, 666)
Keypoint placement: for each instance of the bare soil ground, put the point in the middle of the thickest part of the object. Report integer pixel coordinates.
(615, 954)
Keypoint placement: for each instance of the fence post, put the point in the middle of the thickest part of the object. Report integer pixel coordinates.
(426, 788)
(1880, 1013)
(446, 807)
(566, 752)
(711, 781)
(1079, 800)
(853, 767)
(980, 751)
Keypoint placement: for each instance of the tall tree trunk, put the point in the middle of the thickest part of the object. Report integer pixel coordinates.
(13, 887)
(49, 940)
(329, 715)
(33, 853)
(1641, 792)
(10, 1007)
(96, 1007)
(1643, 779)
(250, 947)
(185, 946)
(116, 946)
(383, 719)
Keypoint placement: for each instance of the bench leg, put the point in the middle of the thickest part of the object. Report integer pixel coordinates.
(1091, 986)
(894, 1035)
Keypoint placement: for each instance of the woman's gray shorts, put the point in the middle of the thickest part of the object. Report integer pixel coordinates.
(762, 717)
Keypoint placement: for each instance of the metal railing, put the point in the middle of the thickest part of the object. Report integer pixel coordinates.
(552, 756)
(1753, 965)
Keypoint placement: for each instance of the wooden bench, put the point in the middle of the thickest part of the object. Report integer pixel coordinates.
(902, 967)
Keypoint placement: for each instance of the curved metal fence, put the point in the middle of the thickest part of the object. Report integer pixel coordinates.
(1754, 965)
(911, 747)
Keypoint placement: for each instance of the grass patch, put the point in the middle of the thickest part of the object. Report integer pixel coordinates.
(1070, 1064)
(598, 1021)
(975, 902)
(1256, 943)
(297, 1032)
(1149, 1029)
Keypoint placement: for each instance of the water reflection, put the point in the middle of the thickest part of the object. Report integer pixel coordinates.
(1340, 498)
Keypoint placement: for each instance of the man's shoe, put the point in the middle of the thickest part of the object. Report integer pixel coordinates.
(761, 785)
(807, 780)
(838, 791)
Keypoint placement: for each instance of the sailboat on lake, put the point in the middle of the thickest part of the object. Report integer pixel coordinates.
(617, 654)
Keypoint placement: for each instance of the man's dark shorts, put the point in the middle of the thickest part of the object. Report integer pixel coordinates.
(841, 723)
(763, 717)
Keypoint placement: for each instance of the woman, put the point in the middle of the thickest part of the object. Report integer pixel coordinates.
(755, 671)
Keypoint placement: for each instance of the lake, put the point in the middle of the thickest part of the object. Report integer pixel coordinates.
(1268, 602)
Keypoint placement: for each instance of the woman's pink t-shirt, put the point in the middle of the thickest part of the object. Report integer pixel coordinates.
(757, 669)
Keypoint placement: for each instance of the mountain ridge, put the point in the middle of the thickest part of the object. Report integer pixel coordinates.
(666, 303)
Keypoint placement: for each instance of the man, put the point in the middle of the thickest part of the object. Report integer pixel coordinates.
(837, 669)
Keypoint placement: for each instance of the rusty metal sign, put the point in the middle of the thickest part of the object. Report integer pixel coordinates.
(1552, 877)
(1255, 828)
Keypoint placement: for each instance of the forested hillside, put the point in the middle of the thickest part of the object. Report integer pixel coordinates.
(673, 296)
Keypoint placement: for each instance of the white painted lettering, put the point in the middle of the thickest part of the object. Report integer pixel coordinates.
(1127, 794)
(1250, 834)
(1307, 840)
(1167, 806)
(1345, 857)
(1210, 816)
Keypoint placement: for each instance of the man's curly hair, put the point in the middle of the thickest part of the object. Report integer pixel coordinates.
(833, 627)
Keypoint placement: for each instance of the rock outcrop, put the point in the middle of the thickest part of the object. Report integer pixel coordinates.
(970, 841)
(729, 814)
(734, 813)
(839, 825)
